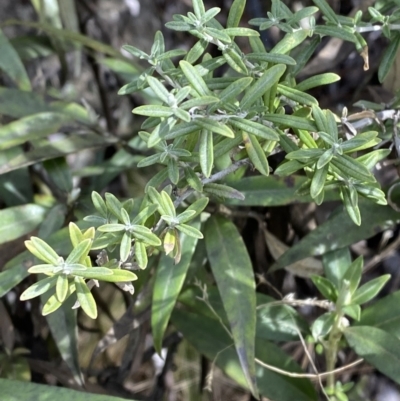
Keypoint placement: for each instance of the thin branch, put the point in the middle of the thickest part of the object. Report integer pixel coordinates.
(307, 375)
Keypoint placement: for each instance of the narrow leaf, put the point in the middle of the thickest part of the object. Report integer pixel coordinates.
(236, 284)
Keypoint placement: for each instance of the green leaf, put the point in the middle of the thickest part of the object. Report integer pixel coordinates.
(254, 128)
(285, 121)
(13, 390)
(125, 247)
(20, 220)
(336, 264)
(206, 152)
(235, 13)
(31, 128)
(38, 288)
(196, 51)
(195, 79)
(11, 64)
(42, 250)
(235, 60)
(235, 88)
(256, 153)
(153, 111)
(271, 58)
(85, 298)
(236, 284)
(198, 8)
(214, 126)
(64, 330)
(117, 275)
(261, 85)
(210, 339)
(323, 325)
(370, 290)
(377, 347)
(389, 57)
(190, 231)
(297, 95)
(61, 287)
(159, 89)
(339, 232)
(239, 31)
(326, 9)
(79, 252)
(272, 191)
(350, 167)
(223, 191)
(168, 284)
(141, 254)
(290, 41)
(59, 173)
(144, 234)
(167, 204)
(49, 149)
(384, 314)
(325, 287)
(318, 181)
(335, 31)
(318, 80)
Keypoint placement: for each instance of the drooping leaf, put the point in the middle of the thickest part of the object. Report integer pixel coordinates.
(64, 330)
(11, 64)
(167, 286)
(51, 149)
(210, 339)
(233, 273)
(18, 221)
(383, 314)
(339, 231)
(377, 347)
(13, 390)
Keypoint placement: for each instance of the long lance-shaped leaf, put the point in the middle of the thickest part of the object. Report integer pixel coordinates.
(11, 64)
(339, 231)
(167, 286)
(233, 273)
(259, 87)
(377, 347)
(13, 390)
(206, 152)
(235, 13)
(194, 78)
(209, 338)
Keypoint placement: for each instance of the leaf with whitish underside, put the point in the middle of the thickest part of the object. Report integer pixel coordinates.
(233, 272)
(20, 220)
(210, 339)
(13, 390)
(167, 286)
(339, 231)
(206, 152)
(11, 64)
(380, 349)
